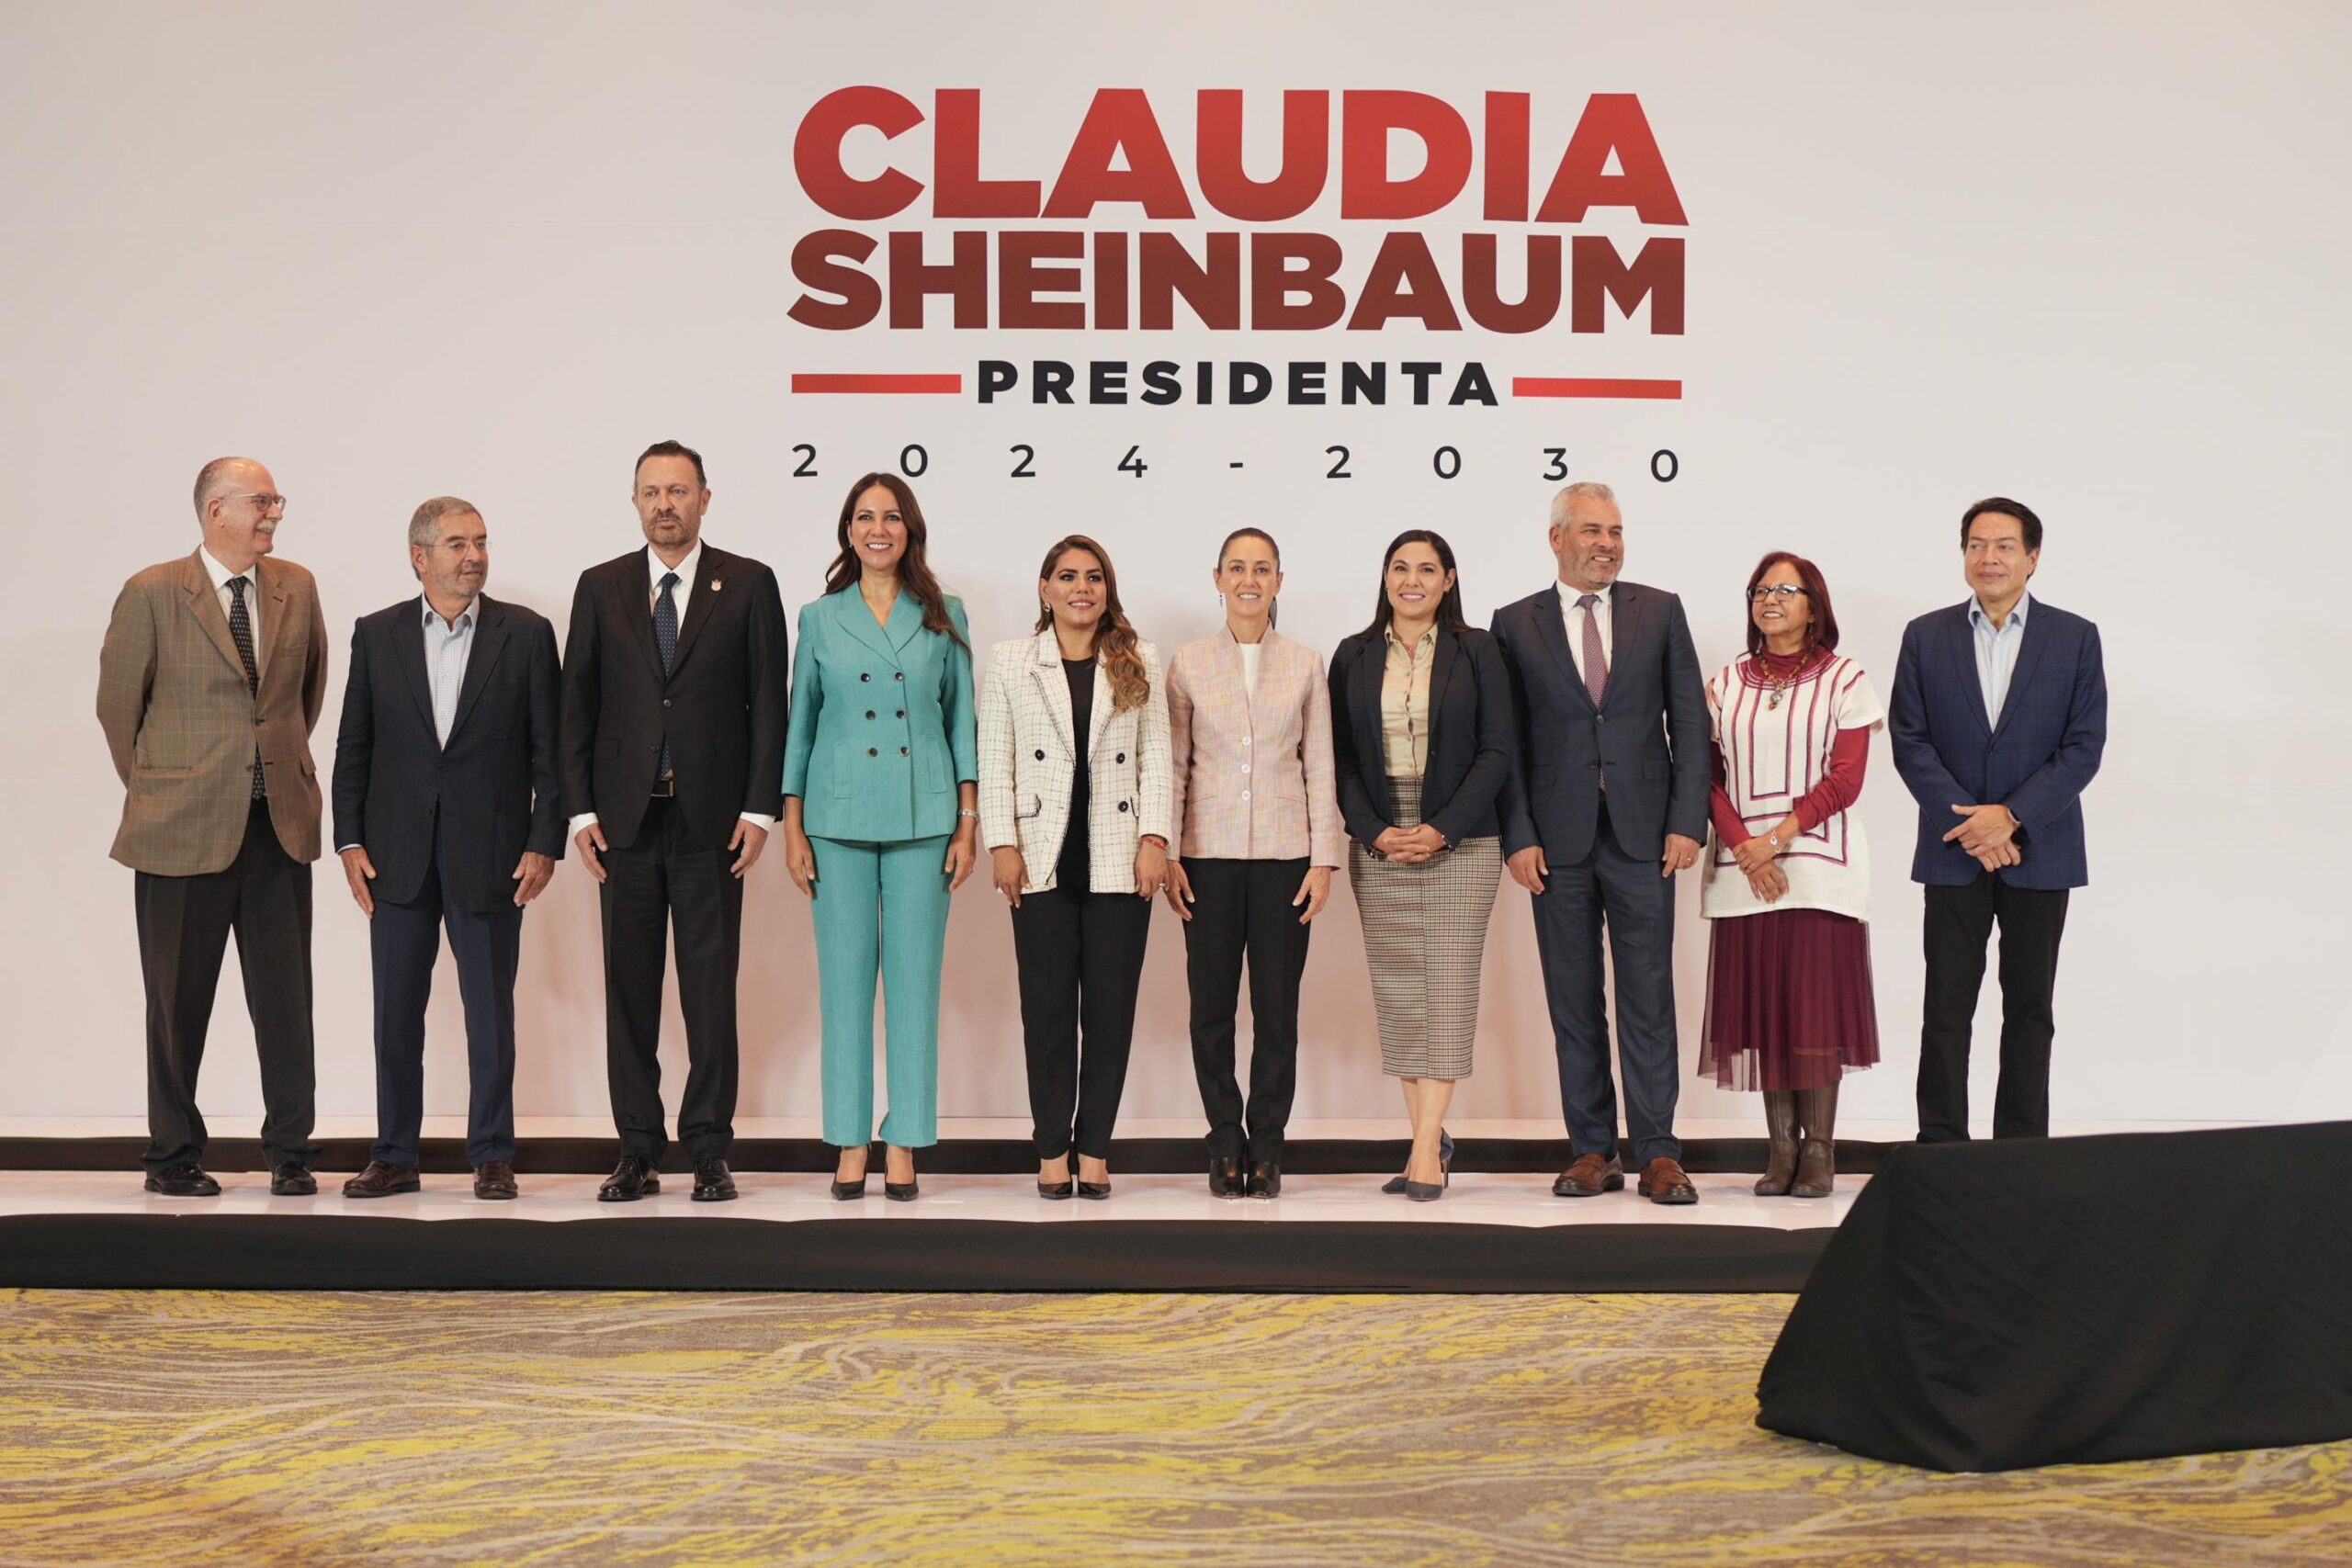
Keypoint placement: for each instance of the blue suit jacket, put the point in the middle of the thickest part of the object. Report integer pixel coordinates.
(2036, 760)
(1647, 740)
(883, 724)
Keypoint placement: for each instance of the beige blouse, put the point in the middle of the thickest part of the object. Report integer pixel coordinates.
(1405, 705)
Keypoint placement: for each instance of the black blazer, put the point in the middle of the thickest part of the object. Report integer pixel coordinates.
(1470, 736)
(492, 790)
(1648, 739)
(722, 707)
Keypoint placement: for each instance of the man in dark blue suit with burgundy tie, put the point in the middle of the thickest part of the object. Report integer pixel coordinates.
(1998, 719)
(447, 814)
(1606, 800)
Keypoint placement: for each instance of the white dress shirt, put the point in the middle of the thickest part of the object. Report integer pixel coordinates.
(1996, 652)
(1572, 618)
(654, 572)
(1249, 663)
(447, 647)
(252, 574)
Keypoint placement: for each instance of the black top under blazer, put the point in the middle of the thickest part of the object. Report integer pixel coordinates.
(1648, 741)
(722, 707)
(1470, 736)
(491, 790)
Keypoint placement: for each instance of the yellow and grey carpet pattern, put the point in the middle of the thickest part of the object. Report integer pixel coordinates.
(722, 1429)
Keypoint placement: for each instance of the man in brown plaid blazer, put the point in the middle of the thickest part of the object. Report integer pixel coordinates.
(210, 683)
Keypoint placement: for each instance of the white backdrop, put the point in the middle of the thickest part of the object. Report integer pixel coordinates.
(2087, 256)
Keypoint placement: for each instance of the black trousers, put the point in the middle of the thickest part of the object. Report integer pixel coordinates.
(1958, 921)
(668, 875)
(263, 895)
(404, 942)
(1636, 903)
(1242, 910)
(1081, 957)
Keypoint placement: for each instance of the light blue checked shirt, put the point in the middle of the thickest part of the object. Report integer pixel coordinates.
(1996, 652)
(446, 650)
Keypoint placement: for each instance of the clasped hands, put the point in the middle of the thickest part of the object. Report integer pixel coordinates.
(1989, 835)
(1409, 846)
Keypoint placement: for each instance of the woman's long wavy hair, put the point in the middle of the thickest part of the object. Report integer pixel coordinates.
(1448, 606)
(914, 572)
(1114, 639)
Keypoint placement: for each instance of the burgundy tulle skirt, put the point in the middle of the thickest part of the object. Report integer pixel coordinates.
(1788, 1000)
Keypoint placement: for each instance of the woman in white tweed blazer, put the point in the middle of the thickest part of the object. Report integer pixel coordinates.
(1258, 816)
(1076, 800)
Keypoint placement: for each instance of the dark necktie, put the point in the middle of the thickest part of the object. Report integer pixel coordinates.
(241, 632)
(1595, 664)
(665, 636)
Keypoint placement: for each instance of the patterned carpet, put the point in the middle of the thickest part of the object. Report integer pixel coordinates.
(675, 1429)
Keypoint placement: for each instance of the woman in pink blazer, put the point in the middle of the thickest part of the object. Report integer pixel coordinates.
(1249, 723)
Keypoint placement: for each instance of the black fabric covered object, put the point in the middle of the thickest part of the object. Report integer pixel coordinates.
(1995, 1305)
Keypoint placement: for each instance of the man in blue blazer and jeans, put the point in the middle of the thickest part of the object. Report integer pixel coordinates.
(1998, 719)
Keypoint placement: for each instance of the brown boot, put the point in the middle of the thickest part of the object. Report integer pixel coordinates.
(1817, 1154)
(1781, 1126)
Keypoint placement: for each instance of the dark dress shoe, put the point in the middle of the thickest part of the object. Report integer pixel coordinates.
(1664, 1182)
(494, 1183)
(1056, 1190)
(1590, 1175)
(846, 1190)
(1095, 1189)
(1424, 1192)
(713, 1182)
(1224, 1179)
(182, 1181)
(379, 1180)
(901, 1192)
(291, 1180)
(633, 1178)
(1265, 1179)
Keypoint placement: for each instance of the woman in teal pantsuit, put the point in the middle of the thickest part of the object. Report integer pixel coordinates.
(880, 818)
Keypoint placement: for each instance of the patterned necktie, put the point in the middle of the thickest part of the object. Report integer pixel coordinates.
(1595, 664)
(665, 636)
(241, 632)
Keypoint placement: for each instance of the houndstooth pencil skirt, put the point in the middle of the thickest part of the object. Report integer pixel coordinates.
(1425, 937)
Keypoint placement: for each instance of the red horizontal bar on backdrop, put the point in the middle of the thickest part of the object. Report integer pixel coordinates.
(816, 382)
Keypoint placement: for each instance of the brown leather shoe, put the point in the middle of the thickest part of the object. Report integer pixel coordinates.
(380, 1180)
(1589, 1176)
(1664, 1182)
(495, 1181)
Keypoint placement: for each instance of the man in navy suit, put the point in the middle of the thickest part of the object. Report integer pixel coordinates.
(1998, 719)
(447, 814)
(1606, 800)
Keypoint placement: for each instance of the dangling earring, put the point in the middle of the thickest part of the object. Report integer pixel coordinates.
(1220, 601)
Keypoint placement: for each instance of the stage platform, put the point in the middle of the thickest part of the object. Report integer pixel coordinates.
(73, 1214)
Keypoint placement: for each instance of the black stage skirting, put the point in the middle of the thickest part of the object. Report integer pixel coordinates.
(299, 1252)
(1989, 1306)
(960, 1156)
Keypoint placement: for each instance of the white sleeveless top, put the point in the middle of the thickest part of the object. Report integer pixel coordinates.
(1772, 757)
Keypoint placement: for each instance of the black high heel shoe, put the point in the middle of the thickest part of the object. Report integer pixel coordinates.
(899, 1191)
(1055, 1189)
(845, 1191)
(1445, 1164)
(1097, 1189)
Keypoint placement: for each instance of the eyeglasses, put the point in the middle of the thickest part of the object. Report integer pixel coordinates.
(1766, 590)
(267, 501)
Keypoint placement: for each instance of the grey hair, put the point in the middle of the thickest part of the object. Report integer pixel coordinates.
(1589, 490)
(217, 479)
(422, 532)
(424, 528)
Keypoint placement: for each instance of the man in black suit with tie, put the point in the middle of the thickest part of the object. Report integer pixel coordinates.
(1607, 800)
(673, 725)
(447, 814)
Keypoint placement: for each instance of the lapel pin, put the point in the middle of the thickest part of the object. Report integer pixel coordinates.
(716, 585)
